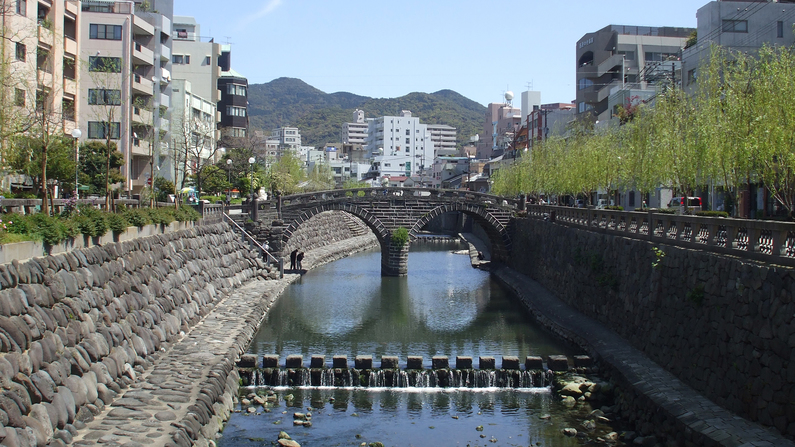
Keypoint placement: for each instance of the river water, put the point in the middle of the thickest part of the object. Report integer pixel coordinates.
(443, 307)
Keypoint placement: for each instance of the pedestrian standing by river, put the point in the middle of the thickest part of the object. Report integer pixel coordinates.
(293, 258)
(300, 258)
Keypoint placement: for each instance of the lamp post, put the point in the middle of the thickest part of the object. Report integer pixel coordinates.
(76, 134)
(228, 178)
(251, 161)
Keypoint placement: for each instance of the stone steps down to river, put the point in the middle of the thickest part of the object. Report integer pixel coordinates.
(536, 372)
(78, 328)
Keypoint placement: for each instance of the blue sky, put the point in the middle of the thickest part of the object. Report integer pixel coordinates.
(387, 49)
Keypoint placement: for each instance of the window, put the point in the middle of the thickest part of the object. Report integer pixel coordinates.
(97, 130)
(584, 83)
(104, 97)
(779, 29)
(207, 60)
(21, 52)
(408, 141)
(104, 64)
(235, 111)
(22, 7)
(660, 57)
(234, 89)
(692, 75)
(19, 97)
(408, 132)
(106, 32)
(187, 59)
(180, 59)
(735, 26)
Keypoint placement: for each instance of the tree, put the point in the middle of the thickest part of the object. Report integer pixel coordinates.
(28, 157)
(285, 174)
(215, 180)
(195, 146)
(94, 161)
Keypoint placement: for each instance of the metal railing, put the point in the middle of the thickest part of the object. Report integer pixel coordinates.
(768, 241)
(266, 253)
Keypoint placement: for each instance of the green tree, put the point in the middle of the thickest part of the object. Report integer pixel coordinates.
(95, 158)
(214, 180)
(28, 157)
(286, 173)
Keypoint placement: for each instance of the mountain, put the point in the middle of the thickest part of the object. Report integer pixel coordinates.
(319, 116)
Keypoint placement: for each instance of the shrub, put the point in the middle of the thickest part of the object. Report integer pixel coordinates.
(186, 214)
(137, 217)
(400, 236)
(160, 216)
(118, 223)
(712, 213)
(92, 222)
(18, 224)
(49, 228)
(615, 208)
(663, 210)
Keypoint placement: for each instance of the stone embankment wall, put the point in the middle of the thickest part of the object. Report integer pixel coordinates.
(77, 328)
(320, 230)
(722, 325)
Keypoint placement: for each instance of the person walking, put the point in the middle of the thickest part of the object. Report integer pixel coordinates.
(293, 257)
(300, 258)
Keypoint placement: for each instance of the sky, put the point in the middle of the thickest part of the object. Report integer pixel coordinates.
(387, 49)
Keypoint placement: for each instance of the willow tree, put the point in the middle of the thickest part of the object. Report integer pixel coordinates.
(673, 139)
(772, 136)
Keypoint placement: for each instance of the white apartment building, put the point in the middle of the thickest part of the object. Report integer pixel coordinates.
(355, 132)
(125, 77)
(400, 145)
(193, 130)
(195, 58)
(443, 138)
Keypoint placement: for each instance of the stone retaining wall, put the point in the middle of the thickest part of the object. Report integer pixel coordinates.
(722, 325)
(77, 328)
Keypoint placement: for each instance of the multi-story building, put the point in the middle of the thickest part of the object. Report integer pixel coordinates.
(125, 83)
(194, 131)
(233, 105)
(443, 138)
(621, 62)
(195, 58)
(400, 145)
(40, 44)
(737, 25)
(355, 132)
(500, 125)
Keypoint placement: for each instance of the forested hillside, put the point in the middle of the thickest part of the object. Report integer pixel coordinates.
(320, 115)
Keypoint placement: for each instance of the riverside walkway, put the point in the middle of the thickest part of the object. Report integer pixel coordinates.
(154, 409)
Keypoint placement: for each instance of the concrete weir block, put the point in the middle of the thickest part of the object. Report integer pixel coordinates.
(363, 362)
(294, 361)
(414, 362)
(582, 361)
(247, 361)
(558, 363)
(440, 362)
(389, 362)
(533, 362)
(488, 363)
(510, 362)
(317, 361)
(463, 362)
(339, 361)
(270, 361)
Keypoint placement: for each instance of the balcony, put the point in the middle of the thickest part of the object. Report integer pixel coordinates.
(71, 7)
(70, 47)
(142, 55)
(165, 101)
(142, 28)
(165, 77)
(141, 116)
(142, 86)
(165, 53)
(46, 36)
(140, 147)
(70, 86)
(164, 124)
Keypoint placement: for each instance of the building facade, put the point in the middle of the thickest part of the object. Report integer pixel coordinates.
(125, 82)
(233, 105)
(443, 138)
(355, 132)
(620, 58)
(400, 145)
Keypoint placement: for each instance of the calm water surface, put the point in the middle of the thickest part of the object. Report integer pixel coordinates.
(443, 307)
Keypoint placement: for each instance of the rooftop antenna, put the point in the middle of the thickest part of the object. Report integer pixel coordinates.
(530, 85)
(227, 40)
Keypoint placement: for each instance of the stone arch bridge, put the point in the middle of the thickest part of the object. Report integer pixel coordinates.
(384, 210)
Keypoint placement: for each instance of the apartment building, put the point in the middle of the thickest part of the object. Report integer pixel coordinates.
(125, 82)
(619, 62)
(500, 124)
(740, 26)
(233, 105)
(443, 138)
(40, 48)
(400, 145)
(355, 132)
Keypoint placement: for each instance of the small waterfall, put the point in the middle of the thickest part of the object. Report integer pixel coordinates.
(396, 378)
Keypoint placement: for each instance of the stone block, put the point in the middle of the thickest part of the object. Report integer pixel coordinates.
(510, 362)
(533, 362)
(363, 362)
(487, 363)
(440, 362)
(558, 363)
(294, 361)
(414, 362)
(389, 362)
(247, 361)
(270, 361)
(317, 361)
(340, 361)
(463, 362)
(582, 361)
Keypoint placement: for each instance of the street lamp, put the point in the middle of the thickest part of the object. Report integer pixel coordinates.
(76, 134)
(251, 161)
(228, 178)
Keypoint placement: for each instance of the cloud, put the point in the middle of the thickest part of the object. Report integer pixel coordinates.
(268, 8)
